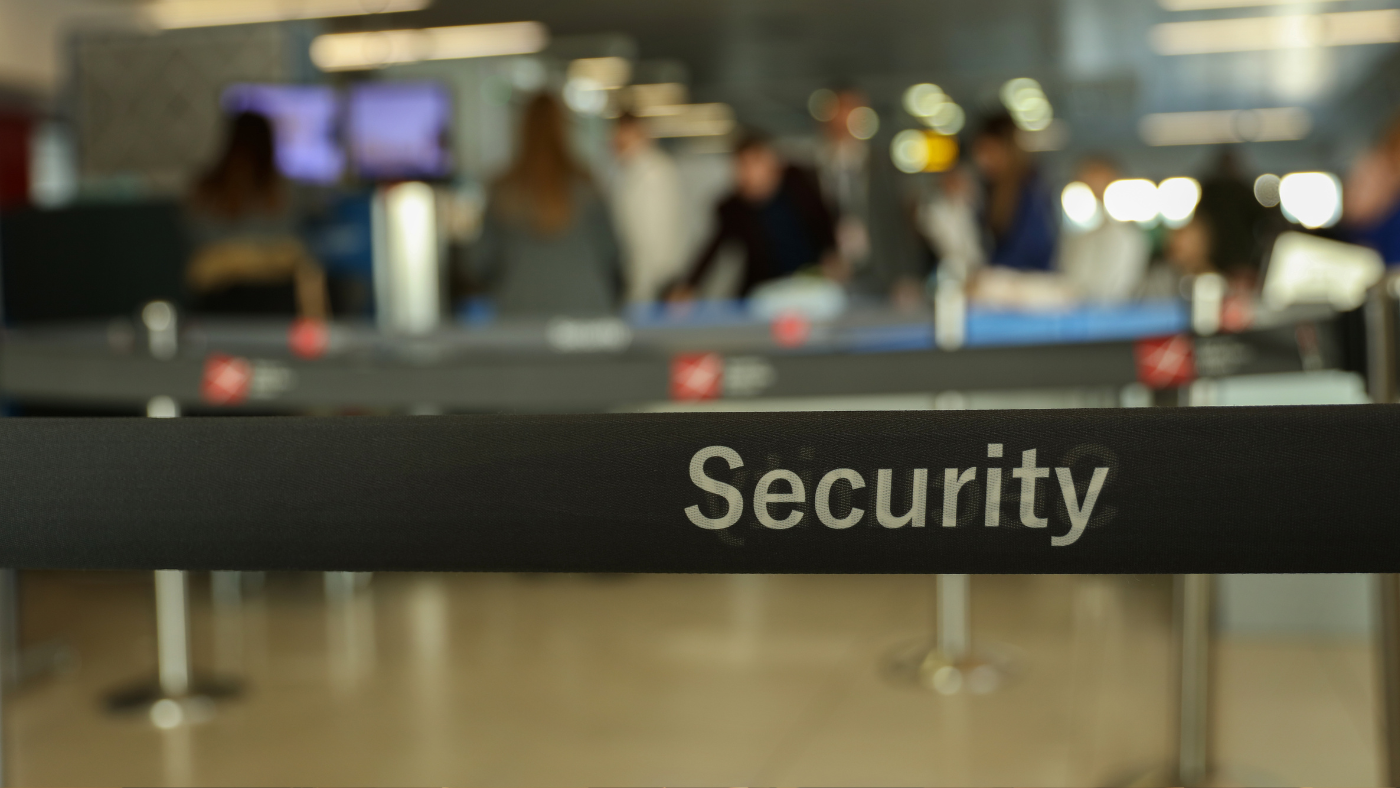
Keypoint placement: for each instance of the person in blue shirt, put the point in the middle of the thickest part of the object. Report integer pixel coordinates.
(1019, 216)
(1371, 202)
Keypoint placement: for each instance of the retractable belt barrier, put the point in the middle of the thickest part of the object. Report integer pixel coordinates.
(1290, 489)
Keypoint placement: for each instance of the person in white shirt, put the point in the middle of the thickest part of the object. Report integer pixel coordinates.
(1105, 263)
(647, 210)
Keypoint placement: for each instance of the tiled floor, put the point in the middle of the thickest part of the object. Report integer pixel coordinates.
(668, 680)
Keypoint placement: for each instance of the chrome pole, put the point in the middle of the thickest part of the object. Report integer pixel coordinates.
(1381, 383)
(1195, 602)
(172, 633)
(954, 603)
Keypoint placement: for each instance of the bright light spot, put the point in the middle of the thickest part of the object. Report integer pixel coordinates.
(909, 151)
(166, 714)
(948, 119)
(162, 407)
(916, 150)
(863, 123)
(1312, 199)
(585, 96)
(822, 104)
(1081, 206)
(924, 99)
(1266, 190)
(1177, 199)
(1017, 91)
(353, 51)
(1026, 101)
(158, 315)
(608, 72)
(1132, 200)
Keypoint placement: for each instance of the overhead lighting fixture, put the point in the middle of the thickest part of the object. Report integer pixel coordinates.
(1216, 128)
(691, 120)
(176, 14)
(1177, 199)
(1081, 207)
(1132, 200)
(1312, 199)
(355, 51)
(1259, 33)
(920, 150)
(609, 73)
(1026, 101)
(863, 123)
(1210, 5)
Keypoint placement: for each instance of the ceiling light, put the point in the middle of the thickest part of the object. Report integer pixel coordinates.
(1080, 205)
(691, 120)
(863, 123)
(1266, 189)
(1312, 199)
(948, 119)
(1214, 128)
(174, 14)
(923, 100)
(1131, 200)
(608, 72)
(352, 51)
(1258, 33)
(919, 150)
(823, 105)
(1204, 5)
(1177, 199)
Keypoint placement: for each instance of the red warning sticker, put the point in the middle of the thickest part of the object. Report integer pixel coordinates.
(791, 329)
(1165, 362)
(226, 379)
(309, 338)
(696, 376)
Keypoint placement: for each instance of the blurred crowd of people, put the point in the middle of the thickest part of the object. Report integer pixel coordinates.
(556, 240)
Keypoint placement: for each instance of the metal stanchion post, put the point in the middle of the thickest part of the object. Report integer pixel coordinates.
(950, 665)
(177, 697)
(954, 610)
(1195, 605)
(1388, 659)
(172, 633)
(1381, 365)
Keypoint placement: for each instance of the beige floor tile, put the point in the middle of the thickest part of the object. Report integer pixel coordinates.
(649, 680)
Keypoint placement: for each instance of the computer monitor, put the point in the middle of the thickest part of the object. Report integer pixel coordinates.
(399, 130)
(304, 119)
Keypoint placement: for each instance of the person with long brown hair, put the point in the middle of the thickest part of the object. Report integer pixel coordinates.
(244, 225)
(547, 245)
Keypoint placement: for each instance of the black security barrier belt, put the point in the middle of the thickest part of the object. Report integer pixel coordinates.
(1299, 489)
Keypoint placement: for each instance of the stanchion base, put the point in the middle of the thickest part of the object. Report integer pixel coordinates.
(171, 712)
(924, 665)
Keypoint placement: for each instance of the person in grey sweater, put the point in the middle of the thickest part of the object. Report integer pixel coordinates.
(547, 244)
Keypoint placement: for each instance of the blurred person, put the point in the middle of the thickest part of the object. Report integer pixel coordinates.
(1105, 264)
(547, 244)
(1018, 214)
(777, 214)
(1229, 234)
(1239, 230)
(1371, 200)
(647, 207)
(950, 223)
(843, 167)
(244, 219)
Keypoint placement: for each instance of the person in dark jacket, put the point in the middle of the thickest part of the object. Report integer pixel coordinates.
(1019, 215)
(776, 214)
